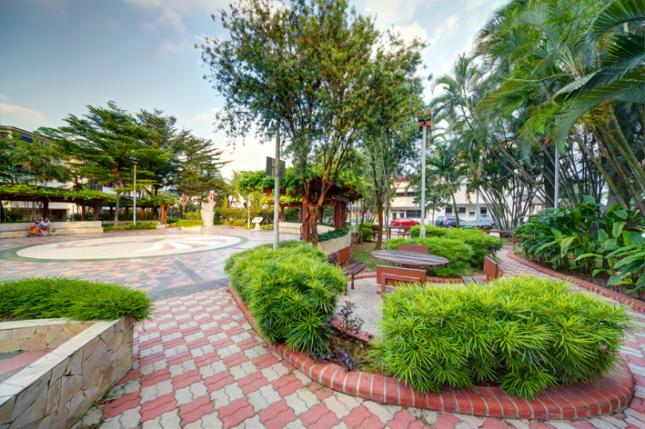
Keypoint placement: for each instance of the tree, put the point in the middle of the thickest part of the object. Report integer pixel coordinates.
(102, 146)
(447, 170)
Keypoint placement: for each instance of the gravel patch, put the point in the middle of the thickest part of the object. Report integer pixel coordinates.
(367, 303)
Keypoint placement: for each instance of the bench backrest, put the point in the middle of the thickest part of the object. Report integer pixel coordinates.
(399, 274)
(344, 255)
(491, 269)
(414, 248)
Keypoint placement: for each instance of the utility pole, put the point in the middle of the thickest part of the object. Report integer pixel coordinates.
(276, 193)
(424, 121)
(134, 211)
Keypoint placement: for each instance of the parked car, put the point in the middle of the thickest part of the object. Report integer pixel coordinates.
(438, 221)
(450, 222)
(404, 221)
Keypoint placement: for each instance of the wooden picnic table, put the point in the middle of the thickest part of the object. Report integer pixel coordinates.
(407, 259)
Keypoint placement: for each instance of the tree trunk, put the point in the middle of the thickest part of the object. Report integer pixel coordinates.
(454, 208)
(1, 212)
(379, 240)
(360, 228)
(116, 212)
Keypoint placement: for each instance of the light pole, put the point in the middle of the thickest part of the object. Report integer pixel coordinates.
(424, 121)
(248, 204)
(134, 211)
(276, 193)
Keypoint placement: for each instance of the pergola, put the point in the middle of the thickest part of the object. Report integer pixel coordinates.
(45, 200)
(337, 197)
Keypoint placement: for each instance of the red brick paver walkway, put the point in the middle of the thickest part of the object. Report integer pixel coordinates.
(199, 364)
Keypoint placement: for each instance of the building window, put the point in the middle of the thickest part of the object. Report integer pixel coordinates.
(462, 210)
(413, 213)
(448, 210)
(471, 213)
(394, 215)
(405, 194)
(483, 210)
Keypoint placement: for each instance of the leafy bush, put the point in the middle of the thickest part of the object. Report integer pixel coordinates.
(482, 244)
(173, 220)
(526, 334)
(367, 231)
(290, 292)
(457, 252)
(196, 215)
(189, 223)
(586, 240)
(239, 223)
(267, 227)
(130, 226)
(43, 298)
(13, 216)
(105, 217)
(335, 233)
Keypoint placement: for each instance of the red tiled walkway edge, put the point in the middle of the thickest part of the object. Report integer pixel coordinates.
(610, 394)
(623, 299)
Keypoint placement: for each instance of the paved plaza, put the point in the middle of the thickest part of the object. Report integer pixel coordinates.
(199, 363)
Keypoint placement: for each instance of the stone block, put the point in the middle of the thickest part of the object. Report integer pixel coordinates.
(53, 396)
(37, 342)
(30, 405)
(6, 410)
(88, 367)
(61, 338)
(71, 385)
(59, 370)
(42, 329)
(52, 331)
(75, 367)
(74, 329)
(116, 341)
(94, 378)
(108, 334)
(101, 347)
(88, 349)
(20, 333)
(5, 334)
(79, 404)
(9, 346)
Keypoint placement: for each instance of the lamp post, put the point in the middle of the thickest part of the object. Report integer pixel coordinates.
(134, 211)
(248, 204)
(424, 121)
(276, 193)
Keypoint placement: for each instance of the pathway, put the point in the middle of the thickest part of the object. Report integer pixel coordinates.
(199, 364)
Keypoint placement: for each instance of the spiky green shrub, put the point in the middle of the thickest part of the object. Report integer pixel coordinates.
(526, 334)
(130, 226)
(189, 223)
(334, 233)
(44, 298)
(481, 243)
(457, 252)
(290, 292)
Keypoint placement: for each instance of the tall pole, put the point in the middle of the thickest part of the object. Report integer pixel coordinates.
(248, 204)
(276, 193)
(423, 181)
(557, 174)
(134, 211)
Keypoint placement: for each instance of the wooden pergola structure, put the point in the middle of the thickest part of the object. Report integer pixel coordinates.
(337, 197)
(95, 203)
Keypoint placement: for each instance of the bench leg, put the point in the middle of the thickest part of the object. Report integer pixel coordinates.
(352, 281)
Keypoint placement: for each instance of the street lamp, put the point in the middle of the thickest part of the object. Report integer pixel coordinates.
(424, 120)
(134, 211)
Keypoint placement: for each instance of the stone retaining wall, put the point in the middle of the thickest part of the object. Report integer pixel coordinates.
(38, 334)
(332, 246)
(12, 230)
(60, 387)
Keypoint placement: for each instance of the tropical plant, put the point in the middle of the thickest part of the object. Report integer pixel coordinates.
(459, 254)
(75, 299)
(189, 223)
(290, 292)
(335, 233)
(130, 226)
(524, 334)
(482, 244)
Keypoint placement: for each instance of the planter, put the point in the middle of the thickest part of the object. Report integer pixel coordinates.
(208, 218)
(13, 230)
(61, 386)
(332, 246)
(607, 395)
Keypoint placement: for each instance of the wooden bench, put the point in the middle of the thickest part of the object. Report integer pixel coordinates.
(351, 270)
(491, 269)
(414, 248)
(386, 275)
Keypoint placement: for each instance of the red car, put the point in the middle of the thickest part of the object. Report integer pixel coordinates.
(404, 221)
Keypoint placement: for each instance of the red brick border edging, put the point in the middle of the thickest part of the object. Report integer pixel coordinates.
(622, 298)
(610, 394)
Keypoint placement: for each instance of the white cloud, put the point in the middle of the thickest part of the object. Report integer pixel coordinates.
(17, 113)
(176, 48)
(4, 97)
(409, 32)
(206, 117)
(447, 30)
(389, 12)
(171, 11)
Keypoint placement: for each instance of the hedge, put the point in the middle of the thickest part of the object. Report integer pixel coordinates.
(188, 223)
(481, 243)
(457, 252)
(524, 334)
(44, 298)
(367, 231)
(334, 233)
(130, 226)
(290, 292)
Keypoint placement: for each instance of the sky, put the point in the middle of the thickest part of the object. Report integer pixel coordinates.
(59, 56)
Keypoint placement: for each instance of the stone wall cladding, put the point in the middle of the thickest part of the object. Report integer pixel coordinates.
(332, 246)
(13, 230)
(607, 395)
(38, 334)
(622, 298)
(60, 387)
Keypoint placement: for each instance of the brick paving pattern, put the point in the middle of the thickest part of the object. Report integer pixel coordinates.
(199, 364)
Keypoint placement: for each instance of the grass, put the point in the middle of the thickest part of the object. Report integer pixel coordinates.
(44, 298)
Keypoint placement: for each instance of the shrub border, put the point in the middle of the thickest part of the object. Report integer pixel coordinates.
(622, 298)
(608, 395)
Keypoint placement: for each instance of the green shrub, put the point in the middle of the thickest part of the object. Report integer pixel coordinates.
(196, 215)
(239, 223)
(43, 298)
(330, 235)
(173, 220)
(526, 334)
(189, 223)
(457, 252)
(130, 226)
(267, 227)
(290, 292)
(367, 231)
(481, 243)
